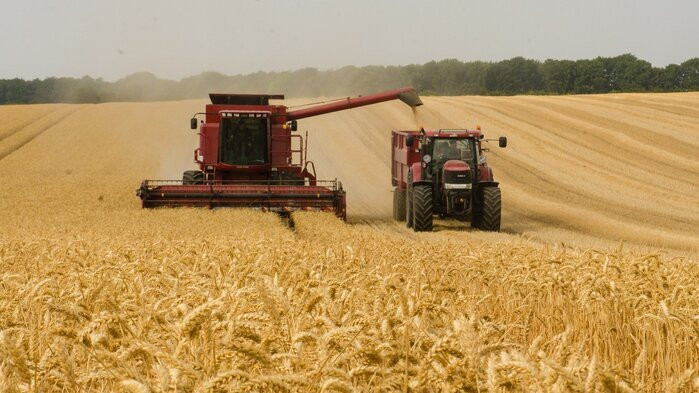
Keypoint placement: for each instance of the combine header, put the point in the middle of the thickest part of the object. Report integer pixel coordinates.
(247, 157)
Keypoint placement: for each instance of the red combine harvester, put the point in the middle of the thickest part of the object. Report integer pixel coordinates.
(444, 172)
(247, 159)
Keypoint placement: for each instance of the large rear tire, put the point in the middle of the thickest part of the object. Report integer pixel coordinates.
(476, 210)
(489, 209)
(409, 206)
(399, 209)
(422, 208)
(192, 177)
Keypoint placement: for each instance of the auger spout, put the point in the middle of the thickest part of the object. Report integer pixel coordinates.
(405, 94)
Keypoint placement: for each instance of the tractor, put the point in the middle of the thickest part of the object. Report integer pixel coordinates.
(445, 173)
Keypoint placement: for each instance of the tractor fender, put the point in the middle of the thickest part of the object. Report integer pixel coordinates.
(487, 184)
(416, 170)
(485, 173)
(415, 174)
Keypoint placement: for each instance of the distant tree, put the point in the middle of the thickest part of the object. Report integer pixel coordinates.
(667, 79)
(514, 76)
(424, 77)
(590, 77)
(200, 85)
(627, 73)
(690, 74)
(18, 91)
(446, 77)
(559, 76)
(84, 90)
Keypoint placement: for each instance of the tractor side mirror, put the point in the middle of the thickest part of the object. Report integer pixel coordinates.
(409, 141)
(502, 142)
(294, 125)
(193, 123)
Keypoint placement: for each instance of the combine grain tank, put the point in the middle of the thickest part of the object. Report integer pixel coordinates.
(249, 156)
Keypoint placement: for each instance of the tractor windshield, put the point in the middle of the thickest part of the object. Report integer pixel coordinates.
(243, 140)
(446, 149)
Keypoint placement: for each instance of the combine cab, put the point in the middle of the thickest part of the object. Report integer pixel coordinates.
(248, 156)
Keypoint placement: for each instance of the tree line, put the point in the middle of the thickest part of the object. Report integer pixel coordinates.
(624, 73)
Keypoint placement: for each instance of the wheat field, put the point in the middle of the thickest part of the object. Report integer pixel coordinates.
(592, 286)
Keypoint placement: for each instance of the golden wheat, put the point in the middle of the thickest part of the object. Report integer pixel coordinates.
(98, 295)
(333, 307)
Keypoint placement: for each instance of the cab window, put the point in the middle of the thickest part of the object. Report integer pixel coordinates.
(243, 141)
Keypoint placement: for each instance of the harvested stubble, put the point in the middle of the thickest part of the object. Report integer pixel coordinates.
(332, 307)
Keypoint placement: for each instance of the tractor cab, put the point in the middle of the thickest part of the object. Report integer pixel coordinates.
(437, 151)
(449, 163)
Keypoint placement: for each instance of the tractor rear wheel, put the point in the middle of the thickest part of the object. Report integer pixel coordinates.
(399, 209)
(422, 210)
(192, 177)
(476, 210)
(409, 206)
(487, 210)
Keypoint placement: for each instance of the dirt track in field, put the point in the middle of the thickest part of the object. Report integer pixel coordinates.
(587, 171)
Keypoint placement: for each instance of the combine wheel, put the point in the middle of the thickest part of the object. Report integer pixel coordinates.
(422, 208)
(487, 210)
(399, 209)
(192, 177)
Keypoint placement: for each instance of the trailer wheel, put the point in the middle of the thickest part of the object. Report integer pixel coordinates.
(409, 206)
(192, 177)
(399, 209)
(422, 210)
(488, 209)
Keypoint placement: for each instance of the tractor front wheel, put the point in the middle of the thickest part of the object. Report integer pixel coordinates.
(399, 209)
(487, 209)
(193, 177)
(422, 208)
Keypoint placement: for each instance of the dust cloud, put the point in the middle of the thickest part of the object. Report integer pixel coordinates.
(428, 118)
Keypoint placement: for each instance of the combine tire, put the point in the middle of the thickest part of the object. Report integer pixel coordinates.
(399, 209)
(486, 214)
(192, 177)
(409, 207)
(422, 208)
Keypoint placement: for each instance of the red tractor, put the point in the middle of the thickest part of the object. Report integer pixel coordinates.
(444, 172)
(248, 157)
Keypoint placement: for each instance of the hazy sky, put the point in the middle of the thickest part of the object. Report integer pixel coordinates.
(175, 39)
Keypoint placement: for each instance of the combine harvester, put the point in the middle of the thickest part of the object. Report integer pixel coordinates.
(246, 157)
(444, 172)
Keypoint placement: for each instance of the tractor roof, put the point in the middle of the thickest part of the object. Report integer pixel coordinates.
(453, 133)
(445, 133)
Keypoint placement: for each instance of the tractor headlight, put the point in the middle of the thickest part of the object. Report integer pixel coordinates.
(457, 186)
(427, 158)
